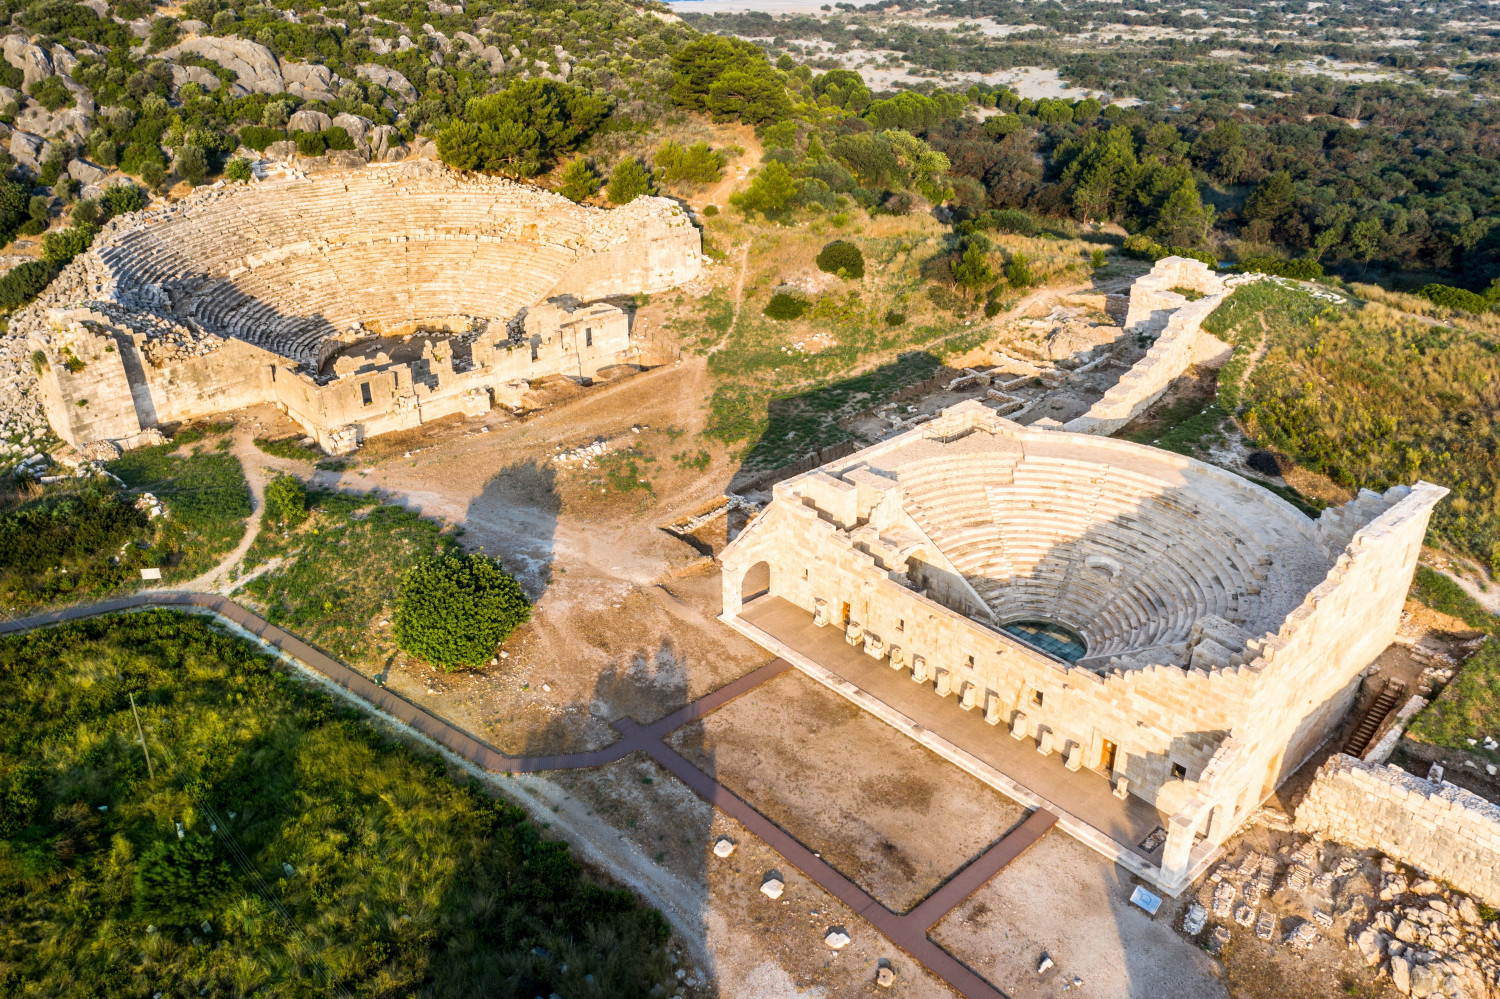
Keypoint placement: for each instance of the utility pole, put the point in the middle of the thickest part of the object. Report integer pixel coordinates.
(140, 732)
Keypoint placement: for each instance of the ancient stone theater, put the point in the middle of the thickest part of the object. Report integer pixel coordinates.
(1144, 643)
(359, 302)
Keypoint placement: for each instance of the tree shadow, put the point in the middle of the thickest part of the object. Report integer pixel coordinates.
(514, 518)
(799, 426)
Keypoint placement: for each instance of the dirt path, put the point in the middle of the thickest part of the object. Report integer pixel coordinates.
(258, 471)
(735, 172)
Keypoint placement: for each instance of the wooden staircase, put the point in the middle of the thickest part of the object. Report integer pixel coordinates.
(1384, 704)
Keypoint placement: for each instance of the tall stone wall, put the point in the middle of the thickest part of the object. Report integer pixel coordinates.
(1156, 307)
(1448, 832)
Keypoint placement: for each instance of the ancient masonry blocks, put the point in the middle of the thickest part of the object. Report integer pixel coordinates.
(359, 302)
(1223, 632)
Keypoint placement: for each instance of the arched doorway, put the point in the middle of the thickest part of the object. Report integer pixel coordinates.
(756, 582)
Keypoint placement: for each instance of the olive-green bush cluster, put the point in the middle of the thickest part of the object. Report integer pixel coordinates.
(842, 257)
(277, 844)
(456, 609)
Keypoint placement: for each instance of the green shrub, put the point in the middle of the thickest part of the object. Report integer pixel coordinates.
(578, 181)
(286, 447)
(178, 879)
(1012, 220)
(454, 610)
(24, 282)
(784, 306)
(286, 500)
(894, 318)
(1454, 298)
(121, 199)
(258, 137)
(1018, 271)
(1301, 269)
(310, 143)
(842, 257)
(336, 137)
(238, 169)
(709, 211)
(695, 164)
(192, 165)
(629, 181)
(1144, 248)
(59, 248)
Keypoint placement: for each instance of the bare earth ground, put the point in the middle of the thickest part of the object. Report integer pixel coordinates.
(884, 811)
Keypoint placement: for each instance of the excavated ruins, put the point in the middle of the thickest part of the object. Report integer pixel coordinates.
(359, 302)
(1176, 638)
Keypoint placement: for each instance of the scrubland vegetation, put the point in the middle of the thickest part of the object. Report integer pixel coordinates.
(276, 843)
(83, 539)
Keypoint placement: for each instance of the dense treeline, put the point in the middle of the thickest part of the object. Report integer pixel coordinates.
(276, 843)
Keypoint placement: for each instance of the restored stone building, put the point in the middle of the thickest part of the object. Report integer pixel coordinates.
(1120, 613)
(359, 302)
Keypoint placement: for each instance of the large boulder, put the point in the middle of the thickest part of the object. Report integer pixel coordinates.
(253, 64)
(489, 53)
(63, 61)
(32, 60)
(309, 81)
(308, 121)
(283, 150)
(194, 74)
(85, 172)
(357, 127)
(382, 139)
(99, 7)
(388, 78)
(29, 150)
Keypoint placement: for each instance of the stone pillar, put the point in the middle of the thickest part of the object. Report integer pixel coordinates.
(1177, 854)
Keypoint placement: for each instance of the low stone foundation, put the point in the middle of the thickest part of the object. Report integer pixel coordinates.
(1449, 833)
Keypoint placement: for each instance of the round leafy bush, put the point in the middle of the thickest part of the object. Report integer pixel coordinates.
(286, 500)
(178, 879)
(894, 318)
(783, 306)
(842, 256)
(455, 609)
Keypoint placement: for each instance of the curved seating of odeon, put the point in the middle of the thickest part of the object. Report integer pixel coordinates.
(1115, 554)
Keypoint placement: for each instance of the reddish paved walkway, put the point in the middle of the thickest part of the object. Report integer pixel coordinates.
(908, 931)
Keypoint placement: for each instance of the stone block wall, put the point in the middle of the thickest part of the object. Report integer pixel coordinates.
(1155, 307)
(1451, 834)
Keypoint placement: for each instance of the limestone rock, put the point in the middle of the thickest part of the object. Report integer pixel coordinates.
(194, 74)
(383, 138)
(836, 938)
(1401, 974)
(1425, 887)
(772, 888)
(388, 78)
(309, 81)
(885, 977)
(1468, 911)
(1194, 920)
(28, 149)
(357, 127)
(308, 121)
(32, 60)
(283, 150)
(489, 53)
(85, 172)
(1424, 982)
(63, 61)
(99, 7)
(192, 26)
(252, 63)
(723, 847)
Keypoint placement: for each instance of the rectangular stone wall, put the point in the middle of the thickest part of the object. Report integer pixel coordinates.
(93, 403)
(235, 375)
(1447, 832)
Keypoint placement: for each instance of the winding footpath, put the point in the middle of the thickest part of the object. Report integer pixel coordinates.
(909, 931)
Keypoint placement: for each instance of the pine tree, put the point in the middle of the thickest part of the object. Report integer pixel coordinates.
(973, 270)
(629, 181)
(1183, 219)
(579, 182)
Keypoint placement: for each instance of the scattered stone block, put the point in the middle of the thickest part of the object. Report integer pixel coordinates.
(992, 709)
(836, 938)
(1043, 964)
(1401, 974)
(1194, 920)
(1435, 773)
(772, 888)
(884, 976)
(1122, 788)
(1265, 926)
(1218, 940)
(1425, 887)
(723, 847)
(1302, 936)
(1244, 915)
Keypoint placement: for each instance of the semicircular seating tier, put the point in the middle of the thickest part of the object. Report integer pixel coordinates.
(286, 264)
(1128, 546)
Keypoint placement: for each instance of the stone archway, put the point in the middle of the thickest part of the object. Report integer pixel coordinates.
(756, 581)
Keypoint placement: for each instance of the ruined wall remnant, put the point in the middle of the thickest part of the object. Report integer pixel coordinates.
(1155, 308)
(1451, 834)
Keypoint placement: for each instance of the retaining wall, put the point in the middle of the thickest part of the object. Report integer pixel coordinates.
(1449, 833)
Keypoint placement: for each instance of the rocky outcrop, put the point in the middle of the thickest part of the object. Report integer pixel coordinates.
(388, 78)
(308, 121)
(32, 60)
(253, 64)
(309, 81)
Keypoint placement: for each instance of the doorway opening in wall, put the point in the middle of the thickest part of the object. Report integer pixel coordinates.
(1051, 638)
(757, 582)
(364, 393)
(1107, 756)
(844, 613)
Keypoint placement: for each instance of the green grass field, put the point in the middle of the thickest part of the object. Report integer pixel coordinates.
(340, 572)
(278, 844)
